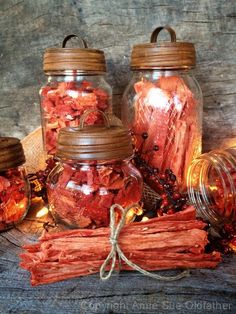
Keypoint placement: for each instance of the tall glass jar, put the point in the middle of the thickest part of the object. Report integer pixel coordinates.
(14, 187)
(162, 107)
(94, 172)
(212, 185)
(75, 83)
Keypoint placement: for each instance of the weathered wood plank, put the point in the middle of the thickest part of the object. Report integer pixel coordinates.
(28, 27)
(128, 291)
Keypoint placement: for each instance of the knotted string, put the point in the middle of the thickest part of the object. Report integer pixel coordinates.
(116, 250)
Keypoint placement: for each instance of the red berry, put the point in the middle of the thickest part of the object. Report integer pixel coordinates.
(176, 196)
(145, 135)
(165, 203)
(156, 170)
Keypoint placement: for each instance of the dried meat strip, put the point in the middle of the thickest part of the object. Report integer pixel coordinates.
(156, 244)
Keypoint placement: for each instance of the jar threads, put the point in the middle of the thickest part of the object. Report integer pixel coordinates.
(212, 185)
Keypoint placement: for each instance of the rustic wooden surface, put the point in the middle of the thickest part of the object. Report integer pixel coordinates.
(28, 27)
(206, 291)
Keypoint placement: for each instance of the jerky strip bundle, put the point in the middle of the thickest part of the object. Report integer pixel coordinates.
(168, 242)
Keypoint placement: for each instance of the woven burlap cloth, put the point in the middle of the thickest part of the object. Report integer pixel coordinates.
(34, 153)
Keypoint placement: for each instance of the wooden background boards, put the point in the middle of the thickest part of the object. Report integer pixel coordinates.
(28, 27)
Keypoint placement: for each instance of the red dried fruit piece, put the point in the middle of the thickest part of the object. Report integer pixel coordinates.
(110, 178)
(129, 194)
(4, 183)
(106, 200)
(86, 85)
(104, 175)
(102, 99)
(96, 210)
(89, 191)
(65, 102)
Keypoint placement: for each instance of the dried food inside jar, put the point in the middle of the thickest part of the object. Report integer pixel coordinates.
(81, 195)
(164, 128)
(212, 186)
(14, 197)
(63, 103)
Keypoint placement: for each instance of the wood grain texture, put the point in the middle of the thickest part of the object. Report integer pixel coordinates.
(205, 291)
(28, 27)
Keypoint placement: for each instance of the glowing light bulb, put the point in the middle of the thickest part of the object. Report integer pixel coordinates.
(42, 212)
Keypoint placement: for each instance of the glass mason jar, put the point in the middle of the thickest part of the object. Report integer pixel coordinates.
(76, 82)
(93, 173)
(162, 107)
(212, 185)
(14, 186)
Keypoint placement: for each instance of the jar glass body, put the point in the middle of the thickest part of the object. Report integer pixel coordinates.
(81, 193)
(163, 110)
(65, 97)
(212, 185)
(14, 196)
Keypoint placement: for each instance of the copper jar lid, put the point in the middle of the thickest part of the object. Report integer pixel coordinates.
(94, 142)
(163, 55)
(11, 153)
(82, 60)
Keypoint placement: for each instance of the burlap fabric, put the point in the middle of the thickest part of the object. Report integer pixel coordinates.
(34, 153)
(150, 197)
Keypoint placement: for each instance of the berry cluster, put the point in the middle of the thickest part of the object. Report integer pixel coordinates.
(228, 240)
(225, 242)
(164, 183)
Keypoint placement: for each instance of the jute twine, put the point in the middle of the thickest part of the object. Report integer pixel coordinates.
(115, 230)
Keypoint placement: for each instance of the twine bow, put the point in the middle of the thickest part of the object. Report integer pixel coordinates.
(116, 250)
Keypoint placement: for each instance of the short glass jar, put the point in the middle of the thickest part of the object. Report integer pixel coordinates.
(93, 173)
(76, 82)
(14, 186)
(212, 185)
(162, 107)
